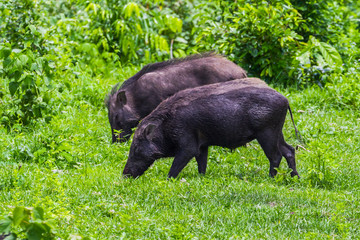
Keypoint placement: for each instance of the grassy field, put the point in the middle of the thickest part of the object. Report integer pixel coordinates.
(61, 178)
(69, 167)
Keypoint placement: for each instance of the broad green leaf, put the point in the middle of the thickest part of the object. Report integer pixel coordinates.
(6, 12)
(50, 224)
(15, 50)
(294, 35)
(139, 29)
(263, 72)
(27, 81)
(39, 152)
(32, 29)
(313, 42)
(119, 25)
(13, 86)
(320, 60)
(34, 67)
(38, 213)
(269, 71)
(19, 215)
(181, 40)
(254, 52)
(39, 65)
(304, 58)
(35, 231)
(330, 54)
(7, 64)
(23, 59)
(179, 53)
(92, 6)
(131, 8)
(175, 24)
(5, 225)
(52, 65)
(18, 64)
(4, 52)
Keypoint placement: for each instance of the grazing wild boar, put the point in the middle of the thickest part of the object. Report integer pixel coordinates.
(143, 92)
(228, 114)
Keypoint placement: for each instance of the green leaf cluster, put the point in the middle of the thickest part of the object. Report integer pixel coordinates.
(285, 42)
(28, 80)
(29, 222)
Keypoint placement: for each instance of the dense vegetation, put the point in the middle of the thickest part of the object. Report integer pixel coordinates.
(60, 177)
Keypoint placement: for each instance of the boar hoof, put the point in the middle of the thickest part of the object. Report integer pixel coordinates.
(295, 173)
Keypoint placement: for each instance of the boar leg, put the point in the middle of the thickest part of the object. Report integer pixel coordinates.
(289, 153)
(180, 161)
(201, 159)
(268, 141)
(188, 148)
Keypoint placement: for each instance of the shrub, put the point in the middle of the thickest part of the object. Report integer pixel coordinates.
(27, 80)
(278, 40)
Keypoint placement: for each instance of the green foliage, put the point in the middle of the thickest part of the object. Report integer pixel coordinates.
(322, 172)
(270, 40)
(280, 41)
(40, 64)
(29, 222)
(25, 23)
(128, 29)
(61, 58)
(344, 89)
(28, 80)
(316, 62)
(329, 21)
(256, 35)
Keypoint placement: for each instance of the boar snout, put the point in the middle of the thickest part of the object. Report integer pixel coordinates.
(131, 172)
(127, 173)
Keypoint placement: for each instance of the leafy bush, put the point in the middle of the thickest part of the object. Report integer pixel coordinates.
(27, 77)
(129, 29)
(344, 89)
(315, 63)
(257, 35)
(328, 21)
(84, 38)
(268, 38)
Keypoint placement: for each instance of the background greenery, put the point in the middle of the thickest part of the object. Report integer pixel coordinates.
(60, 177)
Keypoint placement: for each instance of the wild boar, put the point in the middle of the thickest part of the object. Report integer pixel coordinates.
(143, 92)
(228, 114)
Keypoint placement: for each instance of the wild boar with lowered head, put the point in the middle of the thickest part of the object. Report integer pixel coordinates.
(143, 92)
(228, 114)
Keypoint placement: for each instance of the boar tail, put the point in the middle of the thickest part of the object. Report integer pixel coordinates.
(297, 133)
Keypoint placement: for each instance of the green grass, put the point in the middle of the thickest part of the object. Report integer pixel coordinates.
(70, 168)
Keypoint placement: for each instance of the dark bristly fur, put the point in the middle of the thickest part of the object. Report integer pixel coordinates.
(155, 66)
(228, 114)
(131, 101)
(152, 67)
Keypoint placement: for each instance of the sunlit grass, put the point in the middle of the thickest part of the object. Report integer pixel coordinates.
(70, 168)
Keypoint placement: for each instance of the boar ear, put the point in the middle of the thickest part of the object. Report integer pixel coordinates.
(121, 97)
(149, 131)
